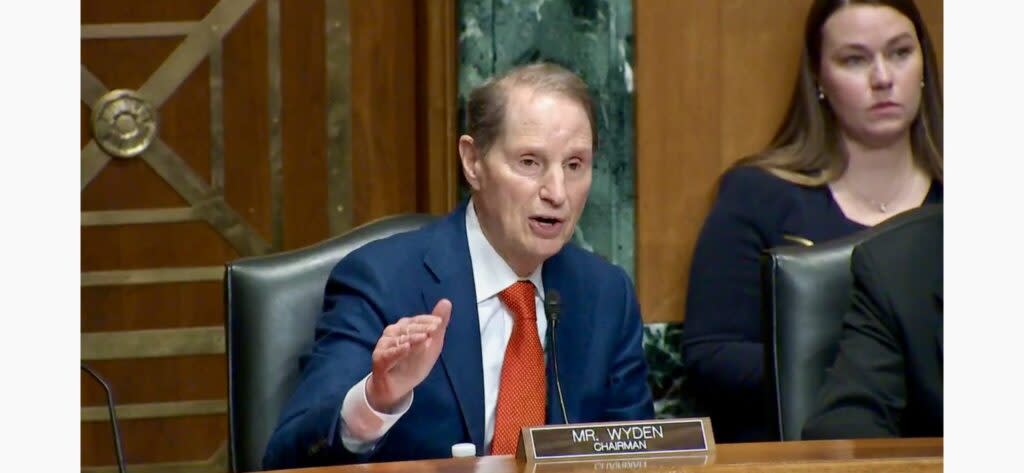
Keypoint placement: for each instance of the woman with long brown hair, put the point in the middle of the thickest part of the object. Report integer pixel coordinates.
(861, 141)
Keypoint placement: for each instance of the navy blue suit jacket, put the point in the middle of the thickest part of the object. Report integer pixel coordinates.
(600, 355)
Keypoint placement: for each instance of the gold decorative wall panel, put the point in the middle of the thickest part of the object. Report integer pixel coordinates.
(339, 114)
(202, 41)
(156, 410)
(122, 277)
(274, 105)
(215, 464)
(138, 30)
(258, 148)
(128, 217)
(152, 343)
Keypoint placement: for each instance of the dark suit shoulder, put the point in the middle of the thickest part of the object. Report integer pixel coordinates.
(588, 262)
(409, 241)
(391, 255)
(906, 238)
(900, 268)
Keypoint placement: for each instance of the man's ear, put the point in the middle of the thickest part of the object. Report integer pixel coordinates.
(470, 157)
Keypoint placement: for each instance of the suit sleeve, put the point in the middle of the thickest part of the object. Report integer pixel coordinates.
(629, 393)
(308, 430)
(722, 345)
(864, 394)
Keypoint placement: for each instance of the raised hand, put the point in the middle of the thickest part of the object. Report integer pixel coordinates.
(405, 354)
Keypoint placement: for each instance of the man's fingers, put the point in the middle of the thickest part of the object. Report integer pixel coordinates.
(407, 326)
(386, 355)
(443, 309)
(387, 344)
(397, 328)
(424, 319)
(409, 331)
(422, 327)
(416, 339)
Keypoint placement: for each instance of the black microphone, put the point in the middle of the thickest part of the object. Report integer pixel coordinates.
(113, 416)
(553, 308)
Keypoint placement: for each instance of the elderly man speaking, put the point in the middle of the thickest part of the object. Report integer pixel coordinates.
(439, 336)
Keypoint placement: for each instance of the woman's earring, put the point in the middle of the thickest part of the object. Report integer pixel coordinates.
(821, 95)
(922, 84)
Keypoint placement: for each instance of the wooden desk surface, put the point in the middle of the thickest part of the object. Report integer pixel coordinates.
(833, 456)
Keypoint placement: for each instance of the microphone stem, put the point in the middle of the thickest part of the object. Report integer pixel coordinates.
(113, 416)
(554, 359)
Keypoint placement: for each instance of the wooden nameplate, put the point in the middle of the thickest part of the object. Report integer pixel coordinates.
(668, 464)
(606, 440)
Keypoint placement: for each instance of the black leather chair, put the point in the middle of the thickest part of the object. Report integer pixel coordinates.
(806, 293)
(272, 304)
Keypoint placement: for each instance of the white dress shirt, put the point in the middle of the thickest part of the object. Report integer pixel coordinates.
(362, 426)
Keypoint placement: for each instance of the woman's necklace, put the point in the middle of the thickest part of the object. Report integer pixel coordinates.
(882, 206)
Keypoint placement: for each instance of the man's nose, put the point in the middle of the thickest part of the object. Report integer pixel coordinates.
(552, 188)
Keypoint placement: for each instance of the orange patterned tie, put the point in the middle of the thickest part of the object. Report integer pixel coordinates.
(522, 394)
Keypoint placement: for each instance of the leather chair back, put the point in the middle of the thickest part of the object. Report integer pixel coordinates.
(806, 293)
(272, 305)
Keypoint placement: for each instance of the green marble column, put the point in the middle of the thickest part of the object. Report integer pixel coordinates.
(594, 38)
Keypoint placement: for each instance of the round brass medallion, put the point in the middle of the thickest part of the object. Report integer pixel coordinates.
(123, 123)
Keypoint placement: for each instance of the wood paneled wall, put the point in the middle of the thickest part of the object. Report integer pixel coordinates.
(396, 165)
(383, 108)
(403, 105)
(713, 79)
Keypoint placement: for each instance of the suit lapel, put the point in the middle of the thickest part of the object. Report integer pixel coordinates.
(448, 260)
(574, 325)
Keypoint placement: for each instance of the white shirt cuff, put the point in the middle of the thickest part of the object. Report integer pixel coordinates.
(361, 425)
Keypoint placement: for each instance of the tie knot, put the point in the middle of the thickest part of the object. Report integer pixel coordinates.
(519, 299)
